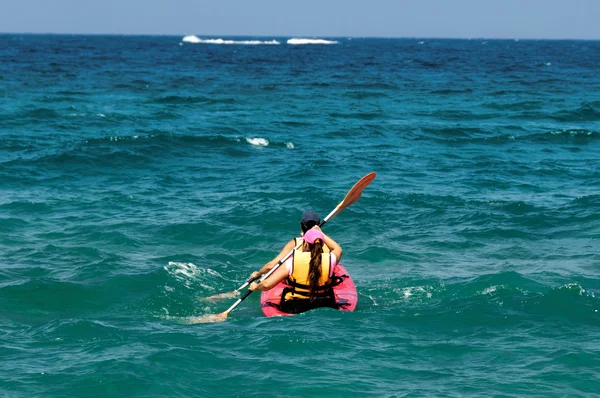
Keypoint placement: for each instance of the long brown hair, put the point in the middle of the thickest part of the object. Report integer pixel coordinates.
(314, 271)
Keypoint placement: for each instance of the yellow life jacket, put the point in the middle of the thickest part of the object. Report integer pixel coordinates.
(299, 281)
(298, 241)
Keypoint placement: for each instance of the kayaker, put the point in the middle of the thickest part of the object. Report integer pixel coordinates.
(308, 273)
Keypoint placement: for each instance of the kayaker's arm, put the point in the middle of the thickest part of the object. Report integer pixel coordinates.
(333, 247)
(280, 274)
(267, 267)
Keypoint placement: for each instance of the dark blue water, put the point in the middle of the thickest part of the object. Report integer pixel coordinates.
(139, 175)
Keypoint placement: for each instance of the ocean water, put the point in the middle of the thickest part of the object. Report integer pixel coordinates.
(139, 175)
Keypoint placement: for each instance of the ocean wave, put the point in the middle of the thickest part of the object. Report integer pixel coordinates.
(75, 328)
(428, 64)
(494, 296)
(592, 201)
(454, 133)
(475, 135)
(41, 114)
(11, 224)
(47, 295)
(62, 98)
(515, 106)
(587, 112)
(196, 40)
(458, 115)
(114, 150)
(453, 91)
(360, 95)
(572, 136)
(374, 85)
(26, 207)
(358, 115)
(168, 139)
(299, 41)
(191, 99)
(180, 99)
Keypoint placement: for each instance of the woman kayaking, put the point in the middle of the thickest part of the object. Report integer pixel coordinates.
(308, 274)
(328, 279)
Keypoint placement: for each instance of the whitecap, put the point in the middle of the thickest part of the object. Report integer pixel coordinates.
(289, 145)
(197, 40)
(191, 39)
(297, 41)
(257, 141)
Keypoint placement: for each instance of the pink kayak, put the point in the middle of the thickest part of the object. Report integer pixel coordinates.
(344, 292)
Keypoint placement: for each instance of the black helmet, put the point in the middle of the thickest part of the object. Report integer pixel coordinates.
(309, 220)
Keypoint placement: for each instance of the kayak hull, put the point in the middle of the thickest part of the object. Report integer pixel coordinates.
(345, 295)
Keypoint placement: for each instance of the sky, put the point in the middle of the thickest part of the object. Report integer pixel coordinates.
(518, 19)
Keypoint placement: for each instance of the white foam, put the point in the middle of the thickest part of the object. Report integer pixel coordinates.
(191, 39)
(186, 270)
(189, 273)
(373, 299)
(296, 41)
(196, 40)
(575, 286)
(257, 141)
(289, 145)
(408, 291)
(490, 290)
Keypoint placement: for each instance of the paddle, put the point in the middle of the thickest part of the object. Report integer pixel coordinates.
(351, 197)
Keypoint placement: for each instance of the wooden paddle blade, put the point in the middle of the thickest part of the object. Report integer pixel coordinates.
(210, 318)
(352, 196)
(220, 296)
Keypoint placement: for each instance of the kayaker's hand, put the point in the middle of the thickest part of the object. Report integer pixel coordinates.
(253, 286)
(255, 275)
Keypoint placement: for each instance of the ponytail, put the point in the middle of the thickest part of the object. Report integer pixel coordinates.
(314, 271)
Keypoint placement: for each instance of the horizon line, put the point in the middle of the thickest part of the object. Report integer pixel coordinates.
(301, 36)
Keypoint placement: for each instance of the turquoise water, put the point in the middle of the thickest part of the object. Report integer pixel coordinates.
(139, 175)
